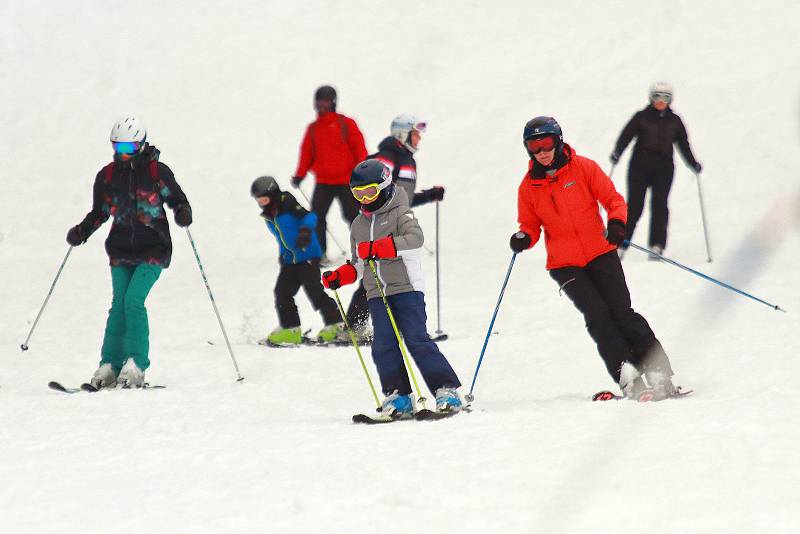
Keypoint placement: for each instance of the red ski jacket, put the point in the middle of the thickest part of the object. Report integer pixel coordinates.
(331, 147)
(565, 205)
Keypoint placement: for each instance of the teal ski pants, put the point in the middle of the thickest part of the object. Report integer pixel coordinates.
(127, 330)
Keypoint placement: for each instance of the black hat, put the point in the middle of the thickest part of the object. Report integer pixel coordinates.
(328, 93)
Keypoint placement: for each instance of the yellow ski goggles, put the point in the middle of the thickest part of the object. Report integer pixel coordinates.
(366, 193)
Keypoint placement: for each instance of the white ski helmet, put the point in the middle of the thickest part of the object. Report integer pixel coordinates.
(401, 129)
(663, 90)
(128, 130)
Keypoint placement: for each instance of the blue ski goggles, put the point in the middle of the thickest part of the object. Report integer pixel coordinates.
(126, 147)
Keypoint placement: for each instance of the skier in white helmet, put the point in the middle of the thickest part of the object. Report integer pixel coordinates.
(133, 190)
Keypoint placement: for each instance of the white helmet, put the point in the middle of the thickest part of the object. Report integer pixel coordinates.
(663, 90)
(403, 125)
(128, 129)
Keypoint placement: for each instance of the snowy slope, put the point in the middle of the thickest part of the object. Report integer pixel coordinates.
(226, 92)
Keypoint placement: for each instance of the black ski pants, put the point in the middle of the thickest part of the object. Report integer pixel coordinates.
(600, 293)
(290, 279)
(659, 181)
(321, 202)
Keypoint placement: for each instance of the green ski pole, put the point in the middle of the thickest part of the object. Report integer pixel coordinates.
(397, 333)
(358, 351)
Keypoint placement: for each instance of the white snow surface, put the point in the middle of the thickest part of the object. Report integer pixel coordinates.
(226, 91)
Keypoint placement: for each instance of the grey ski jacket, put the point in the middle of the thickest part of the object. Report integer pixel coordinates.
(397, 275)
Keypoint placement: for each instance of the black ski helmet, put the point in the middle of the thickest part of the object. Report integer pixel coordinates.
(326, 92)
(372, 171)
(265, 186)
(539, 127)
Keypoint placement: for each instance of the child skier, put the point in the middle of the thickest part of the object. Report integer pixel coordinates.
(559, 194)
(387, 232)
(132, 189)
(293, 227)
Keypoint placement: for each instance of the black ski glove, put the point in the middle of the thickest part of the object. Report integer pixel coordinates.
(296, 181)
(183, 215)
(303, 238)
(520, 241)
(697, 167)
(434, 194)
(614, 157)
(615, 234)
(76, 236)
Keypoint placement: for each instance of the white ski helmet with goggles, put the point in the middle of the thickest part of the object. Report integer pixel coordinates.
(128, 130)
(401, 129)
(661, 91)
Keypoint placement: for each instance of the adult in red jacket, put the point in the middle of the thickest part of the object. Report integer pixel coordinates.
(331, 147)
(559, 194)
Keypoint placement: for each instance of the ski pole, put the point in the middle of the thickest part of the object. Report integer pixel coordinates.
(470, 397)
(214, 304)
(703, 215)
(358, 350)
(397, 333)
(24, 346)
(704, 276)
(333, 237)
(438, 292)
(611, 172)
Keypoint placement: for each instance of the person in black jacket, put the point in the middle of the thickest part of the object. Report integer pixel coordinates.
(132, 189)
(656, 129)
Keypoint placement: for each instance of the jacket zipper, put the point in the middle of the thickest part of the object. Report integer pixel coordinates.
(378, 264)
(280, 236)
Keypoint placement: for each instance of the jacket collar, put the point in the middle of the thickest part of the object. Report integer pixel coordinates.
(537, 171)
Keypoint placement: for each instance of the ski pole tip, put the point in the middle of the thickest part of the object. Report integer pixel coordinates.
(469, 397)
(23, 347)
(778, 308)
(240, 379)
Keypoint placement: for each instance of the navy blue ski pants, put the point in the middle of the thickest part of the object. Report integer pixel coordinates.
(409, 313)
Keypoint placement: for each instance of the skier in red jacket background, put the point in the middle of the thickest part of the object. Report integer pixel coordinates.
(559, 194)
(331, 147)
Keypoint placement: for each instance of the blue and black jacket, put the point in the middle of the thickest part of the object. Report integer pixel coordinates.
(287, 221)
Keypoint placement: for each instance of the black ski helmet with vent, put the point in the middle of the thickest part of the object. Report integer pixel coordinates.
(265, 186)
(327, 93)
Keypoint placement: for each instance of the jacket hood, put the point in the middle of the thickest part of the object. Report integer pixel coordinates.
(390, 144)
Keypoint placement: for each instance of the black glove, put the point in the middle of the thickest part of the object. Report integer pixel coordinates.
(615, 234)
(76, 236)
(303, 238)
(697, 167)
(434, 194)
(520, 241)
(183, 215)
(296, 180)
(614, 157)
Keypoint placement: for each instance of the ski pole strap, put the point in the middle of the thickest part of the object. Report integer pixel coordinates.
(704, 276)
(355, 345)
(406, 359)
(491, 324)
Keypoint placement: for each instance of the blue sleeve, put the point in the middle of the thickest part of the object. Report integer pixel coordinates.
(309, 220)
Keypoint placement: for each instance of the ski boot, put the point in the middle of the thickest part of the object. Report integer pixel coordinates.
(331, 333)
(285, 337)
(630, 382)
(104, 377)
(130, 376)
(661, 384)
(398, 406)
(658, 250)
(448, 400)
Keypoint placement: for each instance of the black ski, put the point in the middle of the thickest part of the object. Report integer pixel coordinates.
(439, 337)
(430, 415)
(375, 419)
(87, 387)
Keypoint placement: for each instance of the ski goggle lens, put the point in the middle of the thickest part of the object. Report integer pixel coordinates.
(126, 147)
(420, 127)
(664, 97)
(366, 193)
(543, 144)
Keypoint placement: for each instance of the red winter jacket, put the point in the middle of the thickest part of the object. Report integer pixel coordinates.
(565, 205)
(331, 147)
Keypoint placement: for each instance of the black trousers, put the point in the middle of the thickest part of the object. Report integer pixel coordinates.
(659, 181)
(290, 279)
(321, 202)
(600, 293)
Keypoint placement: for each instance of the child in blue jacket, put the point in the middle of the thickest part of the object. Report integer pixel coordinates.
(293, 227)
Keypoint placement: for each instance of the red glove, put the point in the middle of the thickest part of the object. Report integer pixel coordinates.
(382, 248)
(346, 274)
